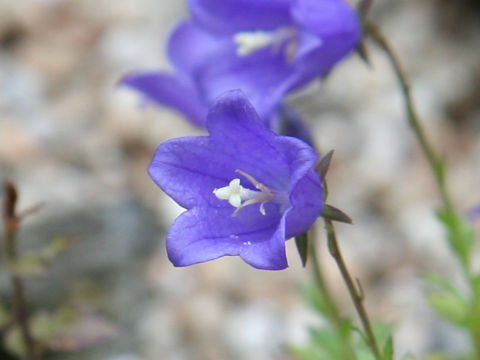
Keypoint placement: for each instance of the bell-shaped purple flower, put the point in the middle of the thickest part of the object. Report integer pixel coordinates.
(267, 48)
(246, 189)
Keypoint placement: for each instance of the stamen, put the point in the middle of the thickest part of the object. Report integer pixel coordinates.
(239, 197)
(251, 41)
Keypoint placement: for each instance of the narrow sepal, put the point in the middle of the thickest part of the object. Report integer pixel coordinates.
(332, 213)
(363, 53)
(301, 242)
(323, 164)
(363, 8)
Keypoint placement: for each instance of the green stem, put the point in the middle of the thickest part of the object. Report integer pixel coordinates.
(332, 312)
(11, 222)
(19, 304)
(354, 291)
(435, 161)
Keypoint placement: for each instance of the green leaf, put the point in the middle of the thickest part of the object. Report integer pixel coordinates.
(53, 249)
(316, 299)
(451, 306)
(476, 286)
(409, 357)
(382, 334)
(460, 235)
(440, 356)
(440, 282)
(301, 241)
(37, 262)
(5, 317)
(46, 326)
(388, 349)
(14, 342)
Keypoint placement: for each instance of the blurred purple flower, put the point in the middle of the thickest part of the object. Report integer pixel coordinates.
(474, 214)
(246, 188)
(267, 48)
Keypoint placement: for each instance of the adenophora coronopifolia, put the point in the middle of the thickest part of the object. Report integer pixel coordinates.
(246, 189)
(267, 48)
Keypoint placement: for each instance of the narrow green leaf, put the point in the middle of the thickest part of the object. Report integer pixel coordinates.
(5, 317)
(476, 286)
(37, 262)
(440, 282)
(388, 349)
(316, 299)
(451, 306)
(14, 343)
(460, 235)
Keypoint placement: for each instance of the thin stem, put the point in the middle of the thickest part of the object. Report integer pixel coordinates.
(18, 297)
(19, 304)
(332, 312)
(435, 161)
(355, 292)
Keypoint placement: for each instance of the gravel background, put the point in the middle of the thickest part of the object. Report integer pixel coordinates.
(71, 138)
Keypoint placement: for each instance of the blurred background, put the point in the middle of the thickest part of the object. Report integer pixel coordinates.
(74, 140)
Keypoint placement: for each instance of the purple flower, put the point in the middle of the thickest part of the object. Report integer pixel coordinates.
(267, 48)
(245, 188)
(474, 214)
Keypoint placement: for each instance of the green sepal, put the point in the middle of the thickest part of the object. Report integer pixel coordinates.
(301, 242)
(363, 53)
(323, 165)
(363, 8)
(332, 213)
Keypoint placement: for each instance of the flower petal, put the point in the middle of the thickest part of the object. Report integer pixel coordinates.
(326, 18)
(203, 234)
(189, 46)
(336, 26)
(265, 76)
(307, 204)
(287, 121)
(306, 191)
(299, 155)
(189, 169)
(171, 91)
(234, 123)
(232, 16)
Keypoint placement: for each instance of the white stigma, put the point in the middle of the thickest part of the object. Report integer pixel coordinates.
(239, 197)
(234, 193)
(251, 41)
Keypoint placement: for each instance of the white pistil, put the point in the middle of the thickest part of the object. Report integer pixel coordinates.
(251, 41)
(239, 197)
